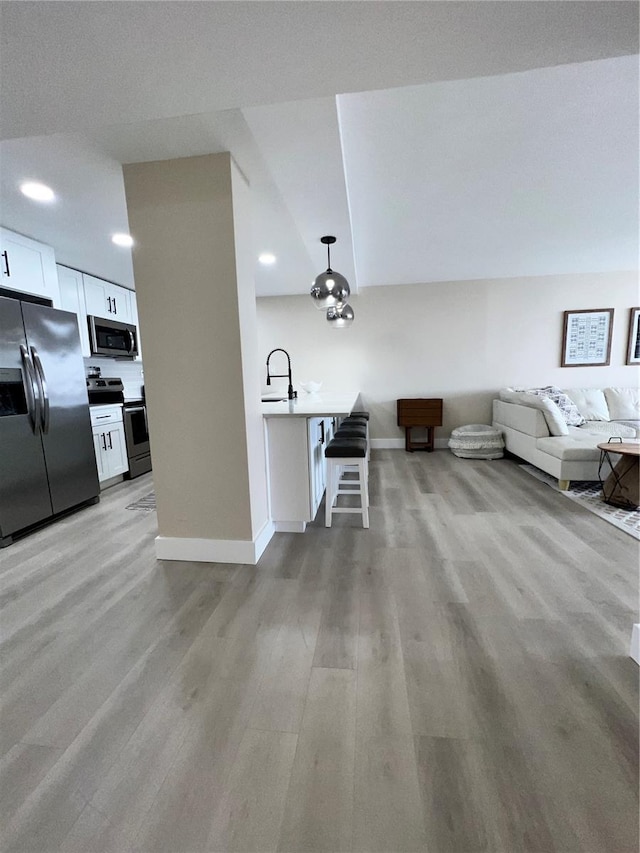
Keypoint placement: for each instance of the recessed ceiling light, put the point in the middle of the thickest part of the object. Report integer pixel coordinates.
(267, 258)
(122, 239)
(36, 191)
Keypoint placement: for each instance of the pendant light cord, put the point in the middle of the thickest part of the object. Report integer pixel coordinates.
(329, 258)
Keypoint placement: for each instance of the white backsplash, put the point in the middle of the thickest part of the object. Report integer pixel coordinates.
(129, 371)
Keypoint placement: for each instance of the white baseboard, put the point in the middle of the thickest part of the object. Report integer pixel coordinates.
(398, 443)
(290, 526)
(215, 550)
(635, 644)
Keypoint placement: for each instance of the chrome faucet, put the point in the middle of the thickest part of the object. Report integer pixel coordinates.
(290, 392)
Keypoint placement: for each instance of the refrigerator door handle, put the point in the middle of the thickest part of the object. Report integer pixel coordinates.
(46, 408)
(32, 390)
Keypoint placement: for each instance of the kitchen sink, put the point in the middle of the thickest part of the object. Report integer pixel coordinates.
(274, 399)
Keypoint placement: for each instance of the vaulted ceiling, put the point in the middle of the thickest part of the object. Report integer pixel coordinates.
(437, 140)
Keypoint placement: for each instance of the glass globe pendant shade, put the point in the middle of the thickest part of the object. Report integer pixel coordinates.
(340, 316)
(329, 289)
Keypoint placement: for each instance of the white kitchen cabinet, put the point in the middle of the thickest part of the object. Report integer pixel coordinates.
(295, 448)
(320, 434)
(72, 299)
(104, 299)
(28, 266)
(109, 441)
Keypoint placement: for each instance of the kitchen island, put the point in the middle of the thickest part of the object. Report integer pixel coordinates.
(296, 433)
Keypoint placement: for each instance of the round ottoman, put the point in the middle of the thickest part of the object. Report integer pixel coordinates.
(477, 441)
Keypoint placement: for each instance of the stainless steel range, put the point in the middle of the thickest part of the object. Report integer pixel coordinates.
(136, 430)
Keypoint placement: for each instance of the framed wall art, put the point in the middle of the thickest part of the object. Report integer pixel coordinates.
(586, 339)
(633, 347)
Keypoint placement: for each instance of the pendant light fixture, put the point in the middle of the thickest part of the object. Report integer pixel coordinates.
(330, 292)
(330, 288)
(340, 316)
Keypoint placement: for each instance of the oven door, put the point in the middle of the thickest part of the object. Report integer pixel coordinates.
(108, 337)
(136, 431)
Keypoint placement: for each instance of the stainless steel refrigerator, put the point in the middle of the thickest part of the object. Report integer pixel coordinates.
(47, 460)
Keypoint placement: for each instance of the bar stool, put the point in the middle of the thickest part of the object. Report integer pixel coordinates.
(339, 453)
(351, 431)
(359, 417)
(351, 427)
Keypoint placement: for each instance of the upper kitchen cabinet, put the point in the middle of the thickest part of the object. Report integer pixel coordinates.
(107, 300)
(28, 266)
(72, 299)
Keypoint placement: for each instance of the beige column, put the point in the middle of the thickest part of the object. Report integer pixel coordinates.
(193, 266)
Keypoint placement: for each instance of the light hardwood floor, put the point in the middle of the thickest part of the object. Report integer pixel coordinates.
(455, 678)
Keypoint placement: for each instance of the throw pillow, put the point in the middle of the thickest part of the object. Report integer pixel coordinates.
(590, 402)
(624, 403)
(568, 408)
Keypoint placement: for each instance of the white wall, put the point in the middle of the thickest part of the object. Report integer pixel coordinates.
(462, 341)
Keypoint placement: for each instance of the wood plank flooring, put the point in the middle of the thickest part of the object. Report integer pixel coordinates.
(454, 679)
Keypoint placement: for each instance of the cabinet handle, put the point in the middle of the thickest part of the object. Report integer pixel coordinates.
(6, 271)
(104, 441)
(110, 442)
(115, 308)
(322, 436)
(102, 417)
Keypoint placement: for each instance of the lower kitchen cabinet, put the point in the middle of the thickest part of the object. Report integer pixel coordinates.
(295, 448)
(109, 441)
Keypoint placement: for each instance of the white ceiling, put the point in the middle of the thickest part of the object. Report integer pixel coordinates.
(467, 140)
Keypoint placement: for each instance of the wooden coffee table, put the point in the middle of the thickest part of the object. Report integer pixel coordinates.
(622, 486)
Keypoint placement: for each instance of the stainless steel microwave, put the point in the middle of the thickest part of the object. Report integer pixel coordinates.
(111, 338)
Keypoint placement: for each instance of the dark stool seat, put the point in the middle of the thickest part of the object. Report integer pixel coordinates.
(346, 448)
(351, 431)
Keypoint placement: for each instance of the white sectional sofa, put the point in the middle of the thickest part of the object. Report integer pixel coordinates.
(536, 429)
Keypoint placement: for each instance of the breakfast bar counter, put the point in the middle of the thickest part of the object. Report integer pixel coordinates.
(318, 405)
(296, 434)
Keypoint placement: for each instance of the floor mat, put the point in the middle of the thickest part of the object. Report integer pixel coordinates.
(146, 503)
(589, 495)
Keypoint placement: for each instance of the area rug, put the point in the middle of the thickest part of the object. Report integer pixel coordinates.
(146, 503)
(589, 495)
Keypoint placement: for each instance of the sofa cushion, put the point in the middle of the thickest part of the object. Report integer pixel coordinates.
(521, 418)
(634, 425)
(552, 414)
(608, 428)
(623, 403)
(570, 448)
(590, 402)
(567, 407)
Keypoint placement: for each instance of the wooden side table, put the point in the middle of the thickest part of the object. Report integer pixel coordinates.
(419, 412)
(622, 487)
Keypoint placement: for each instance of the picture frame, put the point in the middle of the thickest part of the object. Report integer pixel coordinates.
(633, 344)
(586, 337)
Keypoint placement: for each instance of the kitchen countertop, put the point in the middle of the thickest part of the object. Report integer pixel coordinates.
(321, 404)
